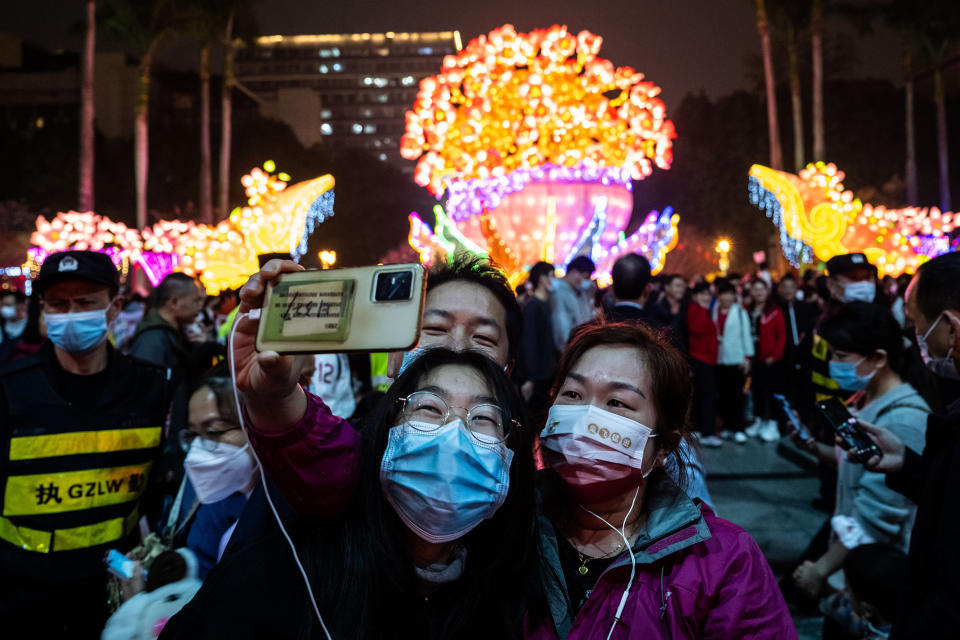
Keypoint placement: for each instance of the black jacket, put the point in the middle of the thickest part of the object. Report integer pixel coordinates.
(537, 358)
(930, 597)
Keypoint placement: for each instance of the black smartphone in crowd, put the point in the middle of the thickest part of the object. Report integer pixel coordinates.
(801, 429)
(854, 438)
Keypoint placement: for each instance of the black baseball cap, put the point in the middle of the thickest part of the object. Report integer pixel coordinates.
(82, 265)
(847, 262)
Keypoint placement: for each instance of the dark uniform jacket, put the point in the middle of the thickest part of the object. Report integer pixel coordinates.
(76, 456)
(930, 596)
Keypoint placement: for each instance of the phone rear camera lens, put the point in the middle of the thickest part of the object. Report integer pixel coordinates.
(393, 286)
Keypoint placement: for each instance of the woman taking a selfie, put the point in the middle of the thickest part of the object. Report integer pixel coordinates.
(629, 554)
(434, 537)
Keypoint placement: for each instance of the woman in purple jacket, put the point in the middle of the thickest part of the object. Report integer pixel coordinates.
(630, 555)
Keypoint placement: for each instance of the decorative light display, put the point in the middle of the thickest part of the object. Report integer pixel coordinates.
(536, 140)
(723, 262)
(820, 218)
(655, 237)
(277, 218)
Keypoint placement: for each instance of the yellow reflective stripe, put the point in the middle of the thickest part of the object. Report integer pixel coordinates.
(77, 442)
(92, 535)
(82, 537)
(73, 490)
(820, 347)
(824, 381)
(24, 537)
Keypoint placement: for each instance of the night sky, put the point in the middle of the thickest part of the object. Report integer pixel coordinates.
(682, 45)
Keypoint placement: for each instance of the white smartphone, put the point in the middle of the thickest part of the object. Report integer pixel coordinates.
(376, 308)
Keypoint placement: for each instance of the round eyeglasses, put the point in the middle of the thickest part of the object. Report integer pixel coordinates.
(213, 432)
(426, 411)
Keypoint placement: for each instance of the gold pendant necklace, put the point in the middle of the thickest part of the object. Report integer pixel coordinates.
(583, 568)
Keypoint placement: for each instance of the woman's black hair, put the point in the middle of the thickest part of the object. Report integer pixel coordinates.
(863, 328)
(362, 571)
(221, 385)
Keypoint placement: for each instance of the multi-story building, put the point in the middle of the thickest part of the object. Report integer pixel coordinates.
(344, 90)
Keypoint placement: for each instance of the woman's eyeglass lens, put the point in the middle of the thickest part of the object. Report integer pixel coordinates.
(424, 409)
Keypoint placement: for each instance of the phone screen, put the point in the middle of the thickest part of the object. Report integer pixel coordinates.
(835, 412)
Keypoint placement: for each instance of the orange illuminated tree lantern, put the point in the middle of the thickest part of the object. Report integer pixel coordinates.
(535, 141)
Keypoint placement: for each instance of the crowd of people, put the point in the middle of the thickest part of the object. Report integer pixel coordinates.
(532, 469)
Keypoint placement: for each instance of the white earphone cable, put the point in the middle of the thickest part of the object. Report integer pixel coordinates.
(633, 561)
(255, 314)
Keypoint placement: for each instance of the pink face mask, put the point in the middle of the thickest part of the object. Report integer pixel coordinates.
(598, 454)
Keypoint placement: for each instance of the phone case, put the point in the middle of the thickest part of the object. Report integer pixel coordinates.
(376, 308)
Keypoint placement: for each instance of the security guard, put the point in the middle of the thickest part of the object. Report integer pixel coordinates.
(850, 277)
(81, 430)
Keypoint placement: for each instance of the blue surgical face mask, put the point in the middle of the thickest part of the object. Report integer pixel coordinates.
(864, 291)
(845, 374)
(445, 482)
(77, 332)
(409, 358)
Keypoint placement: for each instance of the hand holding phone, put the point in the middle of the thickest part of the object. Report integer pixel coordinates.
(268, 380)
(376, 308)
(852, 436)
(799, 429)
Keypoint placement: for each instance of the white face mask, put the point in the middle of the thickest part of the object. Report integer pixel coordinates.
(219, 473)
(944, 367)
(864, 291)
(592, 449)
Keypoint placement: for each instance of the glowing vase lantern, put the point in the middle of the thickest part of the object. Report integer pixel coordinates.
(536, 140)
(554, 219)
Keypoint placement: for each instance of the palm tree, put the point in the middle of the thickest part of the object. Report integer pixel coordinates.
(204, 26)
(226, 115)
(143, 25)
(816, 59)
(796, 103)
(206, 185)
(910, 168)
(934, 25)
(773, 127)
(87, 139)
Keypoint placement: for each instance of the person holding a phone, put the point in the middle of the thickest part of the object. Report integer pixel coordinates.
(867, 358)
(432, 537)
(929, 475)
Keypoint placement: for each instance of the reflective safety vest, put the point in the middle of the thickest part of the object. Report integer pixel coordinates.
(72, 477)
(379, 379)
(823, 385)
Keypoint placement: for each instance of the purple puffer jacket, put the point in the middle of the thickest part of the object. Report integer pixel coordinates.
(697, 576)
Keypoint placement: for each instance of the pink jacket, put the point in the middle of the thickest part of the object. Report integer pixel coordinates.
(698, 576)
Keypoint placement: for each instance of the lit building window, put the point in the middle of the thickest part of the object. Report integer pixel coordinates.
(382, 156)
(357, 127)
(325, 113)
(382, 97)
(369, 128)
(337, 66)
(326, 129)
(407, 81)
(425, 51)
(323, 68)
